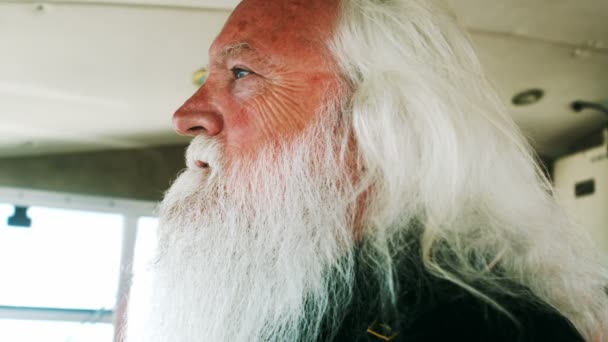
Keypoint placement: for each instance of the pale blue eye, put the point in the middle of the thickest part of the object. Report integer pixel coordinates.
(240, 73)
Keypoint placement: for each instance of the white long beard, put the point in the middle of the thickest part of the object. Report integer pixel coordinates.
(260, 252)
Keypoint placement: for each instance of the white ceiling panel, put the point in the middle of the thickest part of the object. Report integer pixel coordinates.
(516, 65)
(570, 21)
(100, 73)
(202, 4)
(19, 141)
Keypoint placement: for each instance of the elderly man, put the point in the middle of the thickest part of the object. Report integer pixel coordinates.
(353, 177)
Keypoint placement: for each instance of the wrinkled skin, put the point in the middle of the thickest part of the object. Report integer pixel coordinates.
(269, 73)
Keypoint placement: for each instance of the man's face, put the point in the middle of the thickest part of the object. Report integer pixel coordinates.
(269, 73)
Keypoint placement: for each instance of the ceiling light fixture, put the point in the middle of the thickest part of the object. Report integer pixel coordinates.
(528, 97)
(199, 77)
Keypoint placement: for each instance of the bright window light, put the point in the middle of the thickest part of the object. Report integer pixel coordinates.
(67, 259)
(38, 331)
(145, 251)
(145, 245)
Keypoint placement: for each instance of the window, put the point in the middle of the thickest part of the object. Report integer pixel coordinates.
(49, 331)
(61, 278)
(145, 244)
(67, 259)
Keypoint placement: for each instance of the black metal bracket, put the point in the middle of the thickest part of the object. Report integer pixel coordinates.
(19, 218)
(579, 105)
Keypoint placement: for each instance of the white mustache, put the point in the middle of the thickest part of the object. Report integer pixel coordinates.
(204, 150)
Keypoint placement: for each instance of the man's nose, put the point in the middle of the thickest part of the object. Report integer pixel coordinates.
(196, 117)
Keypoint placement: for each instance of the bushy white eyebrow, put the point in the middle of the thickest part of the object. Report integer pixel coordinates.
(235, 49)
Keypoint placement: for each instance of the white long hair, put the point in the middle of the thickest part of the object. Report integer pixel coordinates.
(438, 147)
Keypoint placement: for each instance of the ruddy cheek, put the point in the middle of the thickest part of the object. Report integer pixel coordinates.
(244, 93)
(249, 127)
(267, 114)
(264, 118)
(284, 112)
(240, 122)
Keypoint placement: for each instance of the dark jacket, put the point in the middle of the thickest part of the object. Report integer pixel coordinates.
(430, 309)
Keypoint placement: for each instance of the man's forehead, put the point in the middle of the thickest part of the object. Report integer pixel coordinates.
(287, 7)
(277, 21)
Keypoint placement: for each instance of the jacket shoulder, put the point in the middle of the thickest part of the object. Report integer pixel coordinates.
(441, 311)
